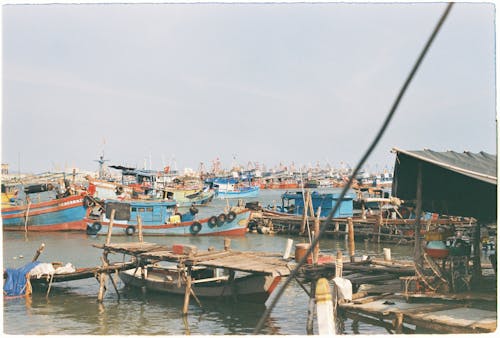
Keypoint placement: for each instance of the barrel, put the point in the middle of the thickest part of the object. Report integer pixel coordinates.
(300, 250)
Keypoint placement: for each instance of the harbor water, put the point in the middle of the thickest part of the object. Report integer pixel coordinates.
(72, 308)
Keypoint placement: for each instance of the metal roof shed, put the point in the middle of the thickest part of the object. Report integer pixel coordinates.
(459, 184)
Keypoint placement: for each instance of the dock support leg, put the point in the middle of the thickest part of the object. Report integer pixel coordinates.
(398, 323)
(186, 295)
(310, 309)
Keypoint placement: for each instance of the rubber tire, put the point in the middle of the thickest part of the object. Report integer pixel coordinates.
(96, 226)
(231, 216)
(212, 221)
(195, 228)
(130, 230)
(221, 219)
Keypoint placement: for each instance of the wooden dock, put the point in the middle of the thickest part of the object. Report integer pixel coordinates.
(399, 316)
(252, 262)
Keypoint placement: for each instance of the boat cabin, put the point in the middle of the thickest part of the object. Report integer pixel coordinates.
(293, 203)
(151, 212)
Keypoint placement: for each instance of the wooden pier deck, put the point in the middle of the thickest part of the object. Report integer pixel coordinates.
(253, 262)
(395, 314)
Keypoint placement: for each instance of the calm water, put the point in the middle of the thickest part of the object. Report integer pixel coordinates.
(72, 307)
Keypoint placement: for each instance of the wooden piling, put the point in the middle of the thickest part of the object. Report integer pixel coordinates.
(187, 294)
(310, 309)
(38, 252)
(110, 226)
(227, 244)
(316, 234)
(339, 264)
(352, 247)
(139, 226)
(324, 308)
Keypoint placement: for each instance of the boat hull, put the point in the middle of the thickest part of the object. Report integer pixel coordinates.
(250, 288)
(65, 214)
(246, 193)
(235, 227)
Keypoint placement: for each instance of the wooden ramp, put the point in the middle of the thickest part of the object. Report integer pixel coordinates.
(392, 312)
(253, 262)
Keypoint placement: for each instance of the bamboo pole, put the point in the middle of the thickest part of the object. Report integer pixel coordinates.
(110, 226)
(352, 247)
(304, 212)
(310, 309)
(38, 252)
(316, 234)
(339, 264)
(187, 293)
(139, 225)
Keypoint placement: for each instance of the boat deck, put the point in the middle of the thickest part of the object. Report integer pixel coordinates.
(253, 262)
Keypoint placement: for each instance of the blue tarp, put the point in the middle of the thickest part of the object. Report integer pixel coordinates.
(15, 283)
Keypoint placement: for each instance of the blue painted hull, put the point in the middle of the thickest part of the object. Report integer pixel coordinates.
(235, 227)
(63, 214)
(246, 193)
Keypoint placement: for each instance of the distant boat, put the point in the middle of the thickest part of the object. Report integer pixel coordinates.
(64, 213)
(188, 197)
(293, 203)
(231, 188)
(159, 217)
(207, 282)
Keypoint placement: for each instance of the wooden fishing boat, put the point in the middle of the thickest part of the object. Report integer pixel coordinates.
(160, 217)
(205, 282)
(231, 188)
(66, 213)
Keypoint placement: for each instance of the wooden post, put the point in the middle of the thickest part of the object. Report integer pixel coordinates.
(324, 308)
(316, 232)
(398, 323)
(380, 222)
(110, 226)
(337, 229)
(227, 244)
(102, 278)
(304, 212)
(352, 247)
(339, 264)
(139, 225)
(187, 293)
(310, 309)
(38, 252)
(417, 255)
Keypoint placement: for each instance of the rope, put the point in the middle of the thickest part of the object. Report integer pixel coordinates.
(370, 149)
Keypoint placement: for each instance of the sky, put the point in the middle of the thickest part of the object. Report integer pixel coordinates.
(181, 84)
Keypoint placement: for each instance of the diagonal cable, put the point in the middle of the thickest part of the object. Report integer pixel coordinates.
(370, 149)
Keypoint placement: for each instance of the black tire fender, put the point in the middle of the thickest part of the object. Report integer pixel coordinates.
(96, 226)
(231, 216)
(195, 228)
(130, 230)
(212, 221)
(221, 219)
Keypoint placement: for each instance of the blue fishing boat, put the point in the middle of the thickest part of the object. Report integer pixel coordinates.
(160, 217)
(56, 214)
(233, 188)
(293, 203)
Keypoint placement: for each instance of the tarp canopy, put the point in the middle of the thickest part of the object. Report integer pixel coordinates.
(459, 184)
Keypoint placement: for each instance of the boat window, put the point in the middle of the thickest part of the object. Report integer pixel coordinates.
(134, 209)
(140, 209)
(149, 209)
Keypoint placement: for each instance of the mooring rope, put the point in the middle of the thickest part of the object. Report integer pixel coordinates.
(370, 149)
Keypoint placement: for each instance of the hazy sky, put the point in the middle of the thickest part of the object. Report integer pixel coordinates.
(260, 82)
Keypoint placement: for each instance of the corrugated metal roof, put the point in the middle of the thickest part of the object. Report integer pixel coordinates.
(481, 166)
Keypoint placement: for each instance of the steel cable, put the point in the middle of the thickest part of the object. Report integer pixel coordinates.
(372, 146)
